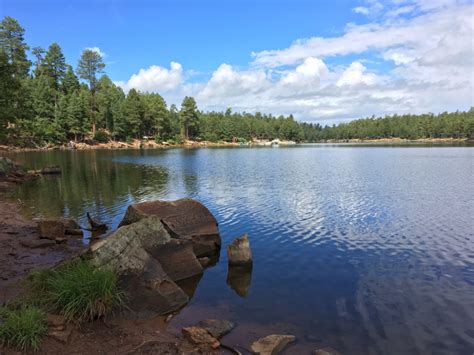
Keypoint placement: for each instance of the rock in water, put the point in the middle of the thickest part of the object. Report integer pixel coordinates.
(200, 336)
(216, 327)
(272, 344)
(184, 219)
(239, 253)
(51, 229)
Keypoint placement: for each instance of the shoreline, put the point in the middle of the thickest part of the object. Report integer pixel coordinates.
(137, 144)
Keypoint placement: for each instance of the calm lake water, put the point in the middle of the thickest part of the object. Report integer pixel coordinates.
(368, 250)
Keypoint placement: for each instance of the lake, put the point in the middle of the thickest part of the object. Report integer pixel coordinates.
(367, 249)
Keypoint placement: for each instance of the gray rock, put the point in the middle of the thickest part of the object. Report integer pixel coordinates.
(271, 344)
(184, 219)
(125, 250)
(132, 250)
(216, 327)
(239, 253)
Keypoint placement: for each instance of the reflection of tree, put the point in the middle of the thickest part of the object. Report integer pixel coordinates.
(90, 180)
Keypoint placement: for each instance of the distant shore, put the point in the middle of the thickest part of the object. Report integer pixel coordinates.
(137, 144)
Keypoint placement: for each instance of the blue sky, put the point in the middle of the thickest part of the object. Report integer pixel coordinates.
(321, 60)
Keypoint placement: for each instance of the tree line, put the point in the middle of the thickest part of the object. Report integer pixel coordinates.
(46, 100)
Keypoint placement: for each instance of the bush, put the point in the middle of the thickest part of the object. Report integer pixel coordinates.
(77, 290)
(22, 328)
(101, 136)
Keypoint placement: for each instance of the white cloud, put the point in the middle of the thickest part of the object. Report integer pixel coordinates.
(416, 63)
(155, 79)
(98, 51)
(356, 74)
(361, 10)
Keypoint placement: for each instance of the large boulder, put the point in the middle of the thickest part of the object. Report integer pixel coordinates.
(184, 219)
(148, 261)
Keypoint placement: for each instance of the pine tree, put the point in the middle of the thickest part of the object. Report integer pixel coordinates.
(188, 116)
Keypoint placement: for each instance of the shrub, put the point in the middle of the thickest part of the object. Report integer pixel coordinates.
(22, 328)
(101, 136)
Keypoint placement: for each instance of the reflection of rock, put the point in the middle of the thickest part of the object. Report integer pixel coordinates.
(239, 253)
(185, 219)
(216, 327)
(326, 351)
(272, 344)
(239, 279)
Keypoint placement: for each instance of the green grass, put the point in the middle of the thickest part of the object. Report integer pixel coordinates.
(81, 292)
(22, 328)
(77, 290)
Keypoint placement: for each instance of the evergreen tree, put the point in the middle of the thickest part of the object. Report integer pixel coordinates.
(188, 115)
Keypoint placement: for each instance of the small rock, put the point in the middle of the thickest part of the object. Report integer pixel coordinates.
(216, 327)
(326, 351)
(60, 240)
(200, 336)
(50, 229)
(37, 243)
(239, 253)
(55, 320)
(60, 335)
(272, 344)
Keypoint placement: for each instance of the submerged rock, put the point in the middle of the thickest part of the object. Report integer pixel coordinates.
(51, 170)
(272, 344)
(239, 253)
(216, 327)
(184, 219)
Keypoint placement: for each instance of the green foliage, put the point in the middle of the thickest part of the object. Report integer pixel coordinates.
(101, 136)
(78, 291)
(22, 328)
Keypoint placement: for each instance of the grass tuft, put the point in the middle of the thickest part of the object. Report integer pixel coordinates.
(22, 328)
(82, 292)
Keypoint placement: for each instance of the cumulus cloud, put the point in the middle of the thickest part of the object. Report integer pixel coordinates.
(155, 79)
(98, 51)
(411, 56)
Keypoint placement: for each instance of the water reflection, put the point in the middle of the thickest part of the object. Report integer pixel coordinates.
(239, 279)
